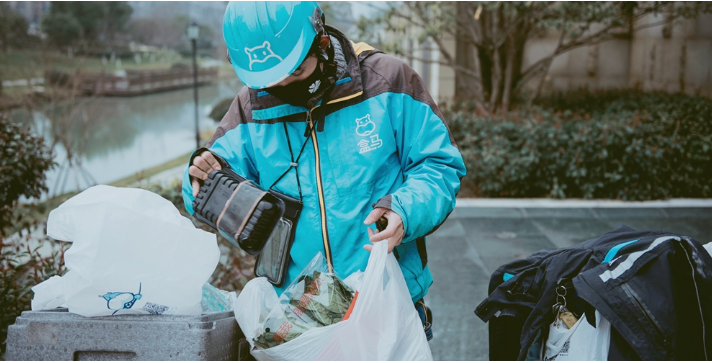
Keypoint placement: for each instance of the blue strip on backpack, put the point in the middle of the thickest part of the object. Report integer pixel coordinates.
(507, 276)
(262, 93)
(613, 251)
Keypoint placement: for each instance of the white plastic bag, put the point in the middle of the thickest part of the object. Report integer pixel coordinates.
(384, 325)
(132, 253)
(581, 342)
(49, 294)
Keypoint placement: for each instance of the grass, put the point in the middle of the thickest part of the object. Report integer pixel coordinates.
(24, 64)
(16, 91)
(147, 173)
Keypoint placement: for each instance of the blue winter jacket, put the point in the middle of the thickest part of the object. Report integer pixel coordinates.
(383, 142)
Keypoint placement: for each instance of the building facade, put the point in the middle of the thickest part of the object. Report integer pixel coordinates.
(666, 58)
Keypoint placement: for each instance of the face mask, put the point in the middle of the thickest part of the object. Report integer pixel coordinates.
(301, 92)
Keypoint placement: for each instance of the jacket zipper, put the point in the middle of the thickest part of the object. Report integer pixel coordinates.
(319, 186)
(320, 190)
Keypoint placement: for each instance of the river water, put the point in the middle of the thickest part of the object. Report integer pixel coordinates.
(119, 137)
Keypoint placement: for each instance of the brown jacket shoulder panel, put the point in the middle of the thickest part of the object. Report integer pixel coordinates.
(240, 112)
(385, 73)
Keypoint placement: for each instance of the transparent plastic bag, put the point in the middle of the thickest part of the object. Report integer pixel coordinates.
(215, 300)
(315, 299)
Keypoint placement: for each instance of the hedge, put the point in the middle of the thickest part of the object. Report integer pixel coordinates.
(626, 145)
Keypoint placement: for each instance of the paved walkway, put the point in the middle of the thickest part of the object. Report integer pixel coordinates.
(474, 241)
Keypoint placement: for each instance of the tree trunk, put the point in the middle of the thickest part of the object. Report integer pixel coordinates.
(519, 38)
(544, 73)
(486, 71)
(545, 70)
(484, 56)
(496, 62)
(508, 74)
(496, 81)
(466, 57)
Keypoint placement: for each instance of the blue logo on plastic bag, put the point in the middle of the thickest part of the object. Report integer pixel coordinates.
(121, 300)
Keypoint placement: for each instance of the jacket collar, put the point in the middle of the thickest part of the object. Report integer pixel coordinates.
(265, 106)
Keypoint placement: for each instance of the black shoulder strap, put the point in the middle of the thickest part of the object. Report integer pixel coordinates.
(294, 163)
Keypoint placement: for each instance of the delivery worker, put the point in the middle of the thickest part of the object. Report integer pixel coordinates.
(355, 130)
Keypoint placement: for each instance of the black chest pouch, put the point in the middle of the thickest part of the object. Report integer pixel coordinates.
(242, 212)
(261, 222)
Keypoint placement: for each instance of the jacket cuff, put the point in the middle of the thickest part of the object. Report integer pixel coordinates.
(220, 160)
(388, 203)
(384, 202)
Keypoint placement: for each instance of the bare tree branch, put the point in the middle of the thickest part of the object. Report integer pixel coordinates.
(474, 29)
(456, 67)
(509, 31)
(548, 64)
(599, 36)
(497, 74)
(508, 75)
(596, 38)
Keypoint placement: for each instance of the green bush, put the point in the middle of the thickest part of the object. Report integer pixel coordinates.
(13, 28)
(62, 29)
(24, 159)
(22, 266)
(56, 77)
(625, 145)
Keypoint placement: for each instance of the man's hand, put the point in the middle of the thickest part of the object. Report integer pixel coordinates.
(203, 165)
(394, 232)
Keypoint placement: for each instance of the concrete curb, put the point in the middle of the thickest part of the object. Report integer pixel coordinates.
(579, 203)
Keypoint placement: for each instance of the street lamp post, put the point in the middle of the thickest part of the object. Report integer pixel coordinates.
(193, 31)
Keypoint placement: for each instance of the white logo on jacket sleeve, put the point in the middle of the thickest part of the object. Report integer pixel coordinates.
(364, 126)
(261, 53)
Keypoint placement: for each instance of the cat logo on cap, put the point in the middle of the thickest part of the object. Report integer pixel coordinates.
(261, 54)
